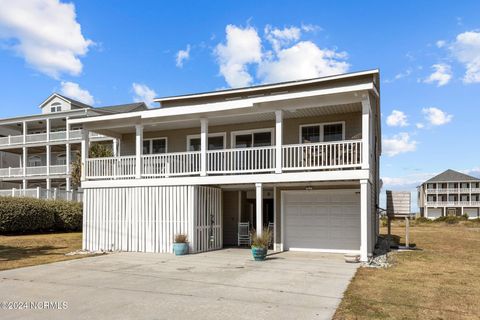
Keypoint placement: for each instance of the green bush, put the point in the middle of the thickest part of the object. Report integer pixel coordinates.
(451, 219)
(24, 215)
(422, 220)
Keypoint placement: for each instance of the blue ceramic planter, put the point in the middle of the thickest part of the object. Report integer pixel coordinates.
(259, 254)
(180, 249)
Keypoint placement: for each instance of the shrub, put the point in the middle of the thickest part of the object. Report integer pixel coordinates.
(384, 221)
(181, 238)
(451, 219)
(23, 215)
(422, 220)
(261, 241)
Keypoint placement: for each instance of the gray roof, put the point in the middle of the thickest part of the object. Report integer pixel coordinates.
(452, 176)
(75, 102)
(121, 108)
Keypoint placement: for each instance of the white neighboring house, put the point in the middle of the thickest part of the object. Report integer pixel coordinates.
(302, 156)
(37, 150)
(450, 193)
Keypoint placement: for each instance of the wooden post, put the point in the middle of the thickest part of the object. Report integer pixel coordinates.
(407, 232)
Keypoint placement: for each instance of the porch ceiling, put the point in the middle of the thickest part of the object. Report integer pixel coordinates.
(256, 115)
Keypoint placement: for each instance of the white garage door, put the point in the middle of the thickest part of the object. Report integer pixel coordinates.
(321, 220)
(472, 212)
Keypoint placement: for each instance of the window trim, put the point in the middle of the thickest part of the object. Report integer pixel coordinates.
(34, 159)
(233, 134)
(151, 144)
(210, 135)
(321, 125)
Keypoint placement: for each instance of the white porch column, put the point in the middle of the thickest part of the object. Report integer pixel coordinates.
(48, 129)
(24, 160)
(24, 184)
(49, 183)
(259, 205)
(366, 133)
(115, 147)
(364, 214)
(85, 148)
(138, 150)
(47, 150)
(24, 131)
(67, 129)
(278, 140)
(203, 146)
(68, 166)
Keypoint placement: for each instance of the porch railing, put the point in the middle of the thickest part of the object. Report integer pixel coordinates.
(171, 164)
(297, 157)
(244, 160)
(322, 155)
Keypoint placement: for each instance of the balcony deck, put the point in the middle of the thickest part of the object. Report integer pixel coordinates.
(295, 157)
(33, 171)
(57, 136)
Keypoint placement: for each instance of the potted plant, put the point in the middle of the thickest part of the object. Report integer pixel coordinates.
(180, 244)
(260, 244)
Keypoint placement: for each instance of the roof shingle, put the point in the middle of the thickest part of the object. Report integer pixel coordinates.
(452, 176)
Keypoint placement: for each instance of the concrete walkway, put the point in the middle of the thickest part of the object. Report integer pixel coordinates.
(224, 284)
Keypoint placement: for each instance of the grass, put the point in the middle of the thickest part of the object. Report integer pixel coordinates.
(440, 280)
(28, 250)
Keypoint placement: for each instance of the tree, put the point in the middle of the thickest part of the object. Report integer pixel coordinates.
(97, 150)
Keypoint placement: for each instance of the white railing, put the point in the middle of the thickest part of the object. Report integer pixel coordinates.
(314, 156)
(258, 159)
(171, 164)
(58, 135)
(16, 140)
(452, 203)
(36, 171)
(58, 169)
(75, 134)
(322, 155)
(453, 190)
(111, 167)
(37, 137)
(41, 193)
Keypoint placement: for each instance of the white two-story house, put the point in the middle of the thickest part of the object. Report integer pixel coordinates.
(37, 150)
(302, 156)
(450, 193)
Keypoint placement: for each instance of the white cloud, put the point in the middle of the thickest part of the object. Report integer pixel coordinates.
(397, 119)
(440, 43)
(436, 116)
(281, 37)
(45, 33)
(442, 74)
(310, 28)
(143, 94)
(73, 90)
(420, 125)
(466, 49)
(302, 61)
(399, 143)
(182, 56)
(290, 59)
(242, 47)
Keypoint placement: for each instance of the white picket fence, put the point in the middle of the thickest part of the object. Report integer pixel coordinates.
(41, 193)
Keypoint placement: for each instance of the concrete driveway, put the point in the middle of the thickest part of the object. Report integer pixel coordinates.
(223, 284)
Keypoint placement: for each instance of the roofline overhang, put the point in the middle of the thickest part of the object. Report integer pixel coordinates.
(267, 86)
(204, 109)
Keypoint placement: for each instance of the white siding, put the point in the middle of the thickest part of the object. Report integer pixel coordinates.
(146, 219)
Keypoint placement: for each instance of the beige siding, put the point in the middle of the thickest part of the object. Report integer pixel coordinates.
(177, 139)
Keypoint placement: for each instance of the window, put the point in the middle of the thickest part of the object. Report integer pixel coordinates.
(431, 198)
(452, 197)
(56, 107)
(464, 185)
(34, 161)
(464, 197)
(216, 141)
(61, 159)
(154, 146)
(322, 132)
(256, 138)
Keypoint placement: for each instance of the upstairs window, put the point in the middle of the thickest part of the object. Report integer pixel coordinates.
(216, 141)
(34, 161)
(254, 138)
(323, 132)
(56, 107)
(155, 146)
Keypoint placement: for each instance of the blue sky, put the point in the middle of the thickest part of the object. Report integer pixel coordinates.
(110, 52)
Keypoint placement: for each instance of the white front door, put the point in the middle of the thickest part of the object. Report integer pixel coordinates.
(321, 220)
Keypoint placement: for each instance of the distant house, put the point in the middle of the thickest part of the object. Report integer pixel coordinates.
(449, 193)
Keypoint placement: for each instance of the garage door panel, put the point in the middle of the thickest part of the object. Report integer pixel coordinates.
(316, 220)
